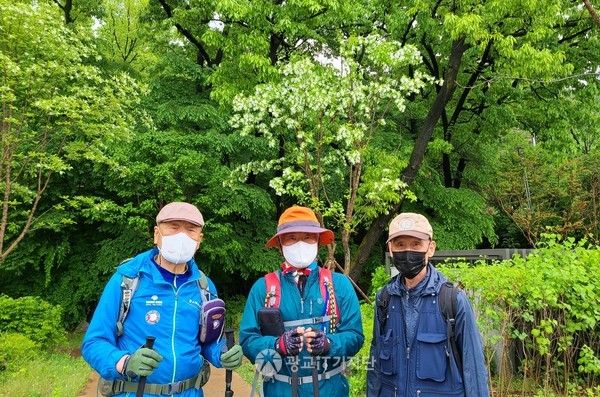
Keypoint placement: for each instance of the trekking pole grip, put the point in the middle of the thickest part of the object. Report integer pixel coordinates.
(142, 383)
(229, 337)
(230, 341)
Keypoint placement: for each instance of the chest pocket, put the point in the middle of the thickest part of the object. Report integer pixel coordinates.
(431, 356)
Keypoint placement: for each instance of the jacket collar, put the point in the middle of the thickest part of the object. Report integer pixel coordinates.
(143, 263)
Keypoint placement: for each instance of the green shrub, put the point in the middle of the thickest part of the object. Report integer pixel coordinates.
(33, 317)
(16, 349)
(357, 373)
(546, 307)
(379, 278)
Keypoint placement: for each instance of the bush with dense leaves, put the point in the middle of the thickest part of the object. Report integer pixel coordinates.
(32, 317)
(544, 309)
(16, 349)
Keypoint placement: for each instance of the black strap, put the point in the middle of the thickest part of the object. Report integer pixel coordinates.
(295, 380)
(120, 386)
(315, 382)
(382, 301)
(447, 303)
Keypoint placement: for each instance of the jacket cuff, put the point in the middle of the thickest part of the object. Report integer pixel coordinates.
(111, 372)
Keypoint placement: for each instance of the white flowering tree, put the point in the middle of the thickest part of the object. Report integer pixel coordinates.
(327, 125)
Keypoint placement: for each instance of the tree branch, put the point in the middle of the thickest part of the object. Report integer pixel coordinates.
(592, 11)
(408, 175)
(188, 35)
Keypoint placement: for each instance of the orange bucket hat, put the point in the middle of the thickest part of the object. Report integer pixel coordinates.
(300, 219)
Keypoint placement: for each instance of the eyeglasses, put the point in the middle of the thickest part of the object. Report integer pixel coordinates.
(288, 239)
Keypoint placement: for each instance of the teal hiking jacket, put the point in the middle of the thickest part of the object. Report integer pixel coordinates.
(346, 341)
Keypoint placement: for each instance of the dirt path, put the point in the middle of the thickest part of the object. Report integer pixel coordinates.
(214, 388)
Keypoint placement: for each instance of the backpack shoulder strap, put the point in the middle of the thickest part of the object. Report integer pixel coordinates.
(382, 300)
(202, 283)
(447, 300)
(328, 294)
(128, 287)
(273, 298)
(447, 303)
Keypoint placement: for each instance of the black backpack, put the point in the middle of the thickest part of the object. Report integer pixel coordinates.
(447, 303)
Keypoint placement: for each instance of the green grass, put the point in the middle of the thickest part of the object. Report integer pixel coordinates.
(246, 371)
(48, 375)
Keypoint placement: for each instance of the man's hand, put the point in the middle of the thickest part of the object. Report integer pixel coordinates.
(290, 343)
(142, 363)
(232, 358)
(317, 342)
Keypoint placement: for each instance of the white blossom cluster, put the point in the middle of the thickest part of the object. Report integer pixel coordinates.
(291, 182)
(242, 171)
(384, 185)
(326, 115)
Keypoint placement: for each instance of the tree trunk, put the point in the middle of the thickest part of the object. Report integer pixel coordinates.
(592, 12)
(409, 174)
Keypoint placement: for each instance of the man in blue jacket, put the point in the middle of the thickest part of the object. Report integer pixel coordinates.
(167, 303)
(319, 327)
(411, 355)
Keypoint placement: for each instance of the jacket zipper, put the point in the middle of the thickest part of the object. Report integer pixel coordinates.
(176, 291)
(299, 295)
(173, 333)
(407, 343)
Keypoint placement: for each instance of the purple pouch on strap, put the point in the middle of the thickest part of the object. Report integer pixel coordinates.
(212, 321)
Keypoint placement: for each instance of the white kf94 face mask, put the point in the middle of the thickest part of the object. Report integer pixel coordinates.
(178, 248)
(301, 254)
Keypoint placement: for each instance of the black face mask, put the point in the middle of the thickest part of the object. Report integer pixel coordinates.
(409, 263)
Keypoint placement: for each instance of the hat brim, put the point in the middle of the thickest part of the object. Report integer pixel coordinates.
(411, 233)
(181, 219)
(325, 235)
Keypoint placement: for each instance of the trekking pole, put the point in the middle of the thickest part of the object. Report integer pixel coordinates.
(142, 383)
(230, 338)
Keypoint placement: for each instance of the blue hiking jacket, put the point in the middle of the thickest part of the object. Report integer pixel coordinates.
(345, 342)
(158, 309)
(412, 356)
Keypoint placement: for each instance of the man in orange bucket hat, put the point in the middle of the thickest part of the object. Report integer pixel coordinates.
(302, 323)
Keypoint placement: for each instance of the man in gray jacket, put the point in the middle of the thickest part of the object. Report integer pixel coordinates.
(411, 353)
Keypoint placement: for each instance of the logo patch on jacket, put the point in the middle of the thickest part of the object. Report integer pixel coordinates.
(154, 301)
(152, 317)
